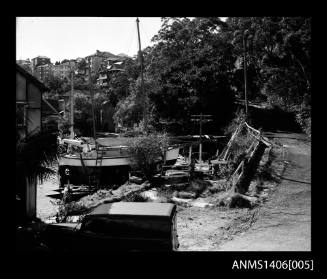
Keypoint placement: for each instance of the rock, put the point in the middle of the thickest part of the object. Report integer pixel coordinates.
(175, 194)
(151, 195)
(201, 204)
(240, 200)
(187, 195)
(181, 202)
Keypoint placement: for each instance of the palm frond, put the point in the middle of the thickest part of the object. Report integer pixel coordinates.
(35, 154)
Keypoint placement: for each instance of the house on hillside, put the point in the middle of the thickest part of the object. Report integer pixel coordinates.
(105, 74)
(99, 60)
(29, 92)
(64, 69)
(39, 60)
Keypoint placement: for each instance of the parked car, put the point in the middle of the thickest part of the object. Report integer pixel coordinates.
(121, 226)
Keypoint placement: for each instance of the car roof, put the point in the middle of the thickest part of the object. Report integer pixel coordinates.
(135, 209)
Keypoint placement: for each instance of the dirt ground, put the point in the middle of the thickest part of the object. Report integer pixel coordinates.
(45, 206)
(281, 223)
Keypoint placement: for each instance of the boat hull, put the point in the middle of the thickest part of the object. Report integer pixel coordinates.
(113, 170)
(78, 175)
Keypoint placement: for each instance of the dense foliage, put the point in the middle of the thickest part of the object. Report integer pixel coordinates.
(197, 66)
(147, 153)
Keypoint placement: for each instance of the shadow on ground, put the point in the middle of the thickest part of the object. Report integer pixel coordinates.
(274, 120)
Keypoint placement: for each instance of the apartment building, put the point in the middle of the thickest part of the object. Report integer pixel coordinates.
(44, 71)
(39, 60)
(63, 70)
(99, 60)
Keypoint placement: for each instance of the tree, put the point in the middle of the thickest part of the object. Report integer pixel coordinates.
(279, 56)
(34, 156)
(56, 85)
(129, 109)
(83, 117)
(191, 63)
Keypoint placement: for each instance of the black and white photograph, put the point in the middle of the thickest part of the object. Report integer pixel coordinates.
(174, 134)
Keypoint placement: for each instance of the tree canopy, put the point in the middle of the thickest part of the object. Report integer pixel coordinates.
(197, 66)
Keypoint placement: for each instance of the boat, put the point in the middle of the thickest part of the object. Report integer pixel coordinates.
(113, 168)
(105, 162)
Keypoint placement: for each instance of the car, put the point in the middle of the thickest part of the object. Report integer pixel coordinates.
(120, 226)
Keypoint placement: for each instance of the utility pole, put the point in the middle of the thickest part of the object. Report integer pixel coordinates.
(142, 78)
(92, 103)
(245, 78)
(72, 104)
(201, 118)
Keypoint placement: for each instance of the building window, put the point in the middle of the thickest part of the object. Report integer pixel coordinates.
(21, 114)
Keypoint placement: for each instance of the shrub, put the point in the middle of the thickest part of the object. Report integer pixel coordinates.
(303, 117)
(165, 194)
(67, 209)
(136, 197)
(147, 152)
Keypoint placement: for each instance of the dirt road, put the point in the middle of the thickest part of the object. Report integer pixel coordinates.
(282, 223)
(45, 205)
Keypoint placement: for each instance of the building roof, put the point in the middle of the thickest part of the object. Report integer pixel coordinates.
(136, 209)
(123, 55)
(31, 78)
(41, 56)
(102, 53)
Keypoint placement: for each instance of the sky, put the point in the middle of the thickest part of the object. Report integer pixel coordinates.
(62, 38)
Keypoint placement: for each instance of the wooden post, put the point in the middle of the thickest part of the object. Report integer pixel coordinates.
(190, 153)
(202, 118)
(200, 146)
(231, 140)
(145, 108)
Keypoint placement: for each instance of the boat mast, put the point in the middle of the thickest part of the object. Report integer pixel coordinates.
(142, 79)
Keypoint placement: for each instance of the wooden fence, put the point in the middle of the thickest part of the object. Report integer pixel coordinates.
(240, 175)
